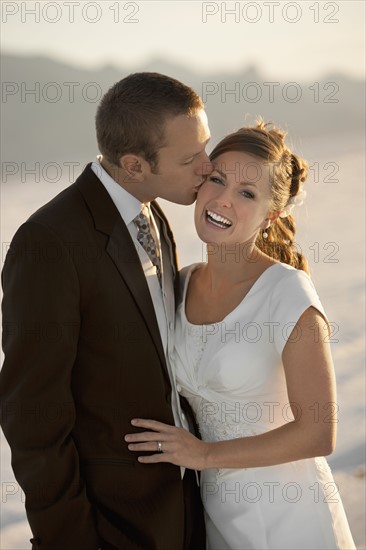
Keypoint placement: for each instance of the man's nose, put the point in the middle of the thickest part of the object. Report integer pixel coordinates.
(205, 167)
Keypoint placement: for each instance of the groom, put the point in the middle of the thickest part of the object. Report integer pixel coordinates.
(88, 314)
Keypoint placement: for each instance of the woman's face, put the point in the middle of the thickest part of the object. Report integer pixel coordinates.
(233, 204)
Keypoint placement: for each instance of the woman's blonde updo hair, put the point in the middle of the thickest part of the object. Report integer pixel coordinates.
(288, 171)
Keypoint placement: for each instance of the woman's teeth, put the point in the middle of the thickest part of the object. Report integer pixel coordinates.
(217, 220)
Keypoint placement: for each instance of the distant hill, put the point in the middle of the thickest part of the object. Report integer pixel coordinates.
(56, 122)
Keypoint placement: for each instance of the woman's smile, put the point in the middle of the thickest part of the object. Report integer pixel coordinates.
(217, 220)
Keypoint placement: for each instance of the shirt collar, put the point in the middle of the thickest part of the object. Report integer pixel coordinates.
(127, 205)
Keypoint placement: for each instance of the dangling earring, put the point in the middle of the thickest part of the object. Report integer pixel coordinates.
(265, 233)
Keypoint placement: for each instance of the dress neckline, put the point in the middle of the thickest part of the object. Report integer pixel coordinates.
(186, 283)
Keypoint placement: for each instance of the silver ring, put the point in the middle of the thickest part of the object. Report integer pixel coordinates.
(160, 446)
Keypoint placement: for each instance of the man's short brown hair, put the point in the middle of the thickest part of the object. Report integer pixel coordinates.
(131, 116)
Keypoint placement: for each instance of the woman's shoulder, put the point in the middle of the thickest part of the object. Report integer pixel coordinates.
(287, 276)
(184, 276)
(292, 289)
(187, 271)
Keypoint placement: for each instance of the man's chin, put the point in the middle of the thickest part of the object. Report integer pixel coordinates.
(183, 201)
(190, 201)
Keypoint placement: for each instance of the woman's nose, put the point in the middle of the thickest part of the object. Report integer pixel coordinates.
(224, 198)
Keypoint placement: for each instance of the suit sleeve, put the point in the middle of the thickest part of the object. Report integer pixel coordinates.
(41, 320)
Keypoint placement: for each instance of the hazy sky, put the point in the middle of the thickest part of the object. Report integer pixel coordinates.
(294, 40)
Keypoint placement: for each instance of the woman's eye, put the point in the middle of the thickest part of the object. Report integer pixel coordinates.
(248, 194)
(216, 180)
(188, 161)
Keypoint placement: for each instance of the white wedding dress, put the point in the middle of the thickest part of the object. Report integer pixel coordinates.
(232, 375)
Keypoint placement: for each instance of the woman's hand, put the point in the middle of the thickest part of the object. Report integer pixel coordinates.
(177, 446)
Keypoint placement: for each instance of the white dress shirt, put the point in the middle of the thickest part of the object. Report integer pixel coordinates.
(162, 297)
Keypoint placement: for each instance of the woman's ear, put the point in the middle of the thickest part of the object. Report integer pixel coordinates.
(271, 217)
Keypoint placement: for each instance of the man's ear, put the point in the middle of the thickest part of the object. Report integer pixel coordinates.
(134, 166)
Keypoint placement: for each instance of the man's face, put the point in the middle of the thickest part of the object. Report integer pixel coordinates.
(183, 163)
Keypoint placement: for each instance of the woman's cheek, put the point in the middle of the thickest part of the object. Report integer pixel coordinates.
(204, 192)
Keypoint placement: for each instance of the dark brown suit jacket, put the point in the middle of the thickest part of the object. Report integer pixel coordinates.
(83, 356)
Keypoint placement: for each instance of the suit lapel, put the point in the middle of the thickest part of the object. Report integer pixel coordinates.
(169, 238)
(122, 251)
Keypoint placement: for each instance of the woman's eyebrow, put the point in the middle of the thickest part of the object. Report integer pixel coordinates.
(248, 183)
(222, 174)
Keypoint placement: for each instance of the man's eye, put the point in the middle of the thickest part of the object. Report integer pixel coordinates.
(189, 161)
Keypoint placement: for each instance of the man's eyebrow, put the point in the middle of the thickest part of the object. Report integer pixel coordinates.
(192, 156)
(186, 157)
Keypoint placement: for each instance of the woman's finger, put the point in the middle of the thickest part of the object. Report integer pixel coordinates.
(149, 446)
(151, 425)
(154, 459)
(144, 436)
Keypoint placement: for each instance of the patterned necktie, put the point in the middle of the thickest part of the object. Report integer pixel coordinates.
(147, 241)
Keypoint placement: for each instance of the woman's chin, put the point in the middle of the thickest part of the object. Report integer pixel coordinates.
(215, 238)
(222, 239)
(210, 233)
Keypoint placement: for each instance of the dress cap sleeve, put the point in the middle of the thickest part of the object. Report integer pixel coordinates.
(292, 295)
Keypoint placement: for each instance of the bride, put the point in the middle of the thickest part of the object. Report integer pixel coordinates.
(253, 359)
